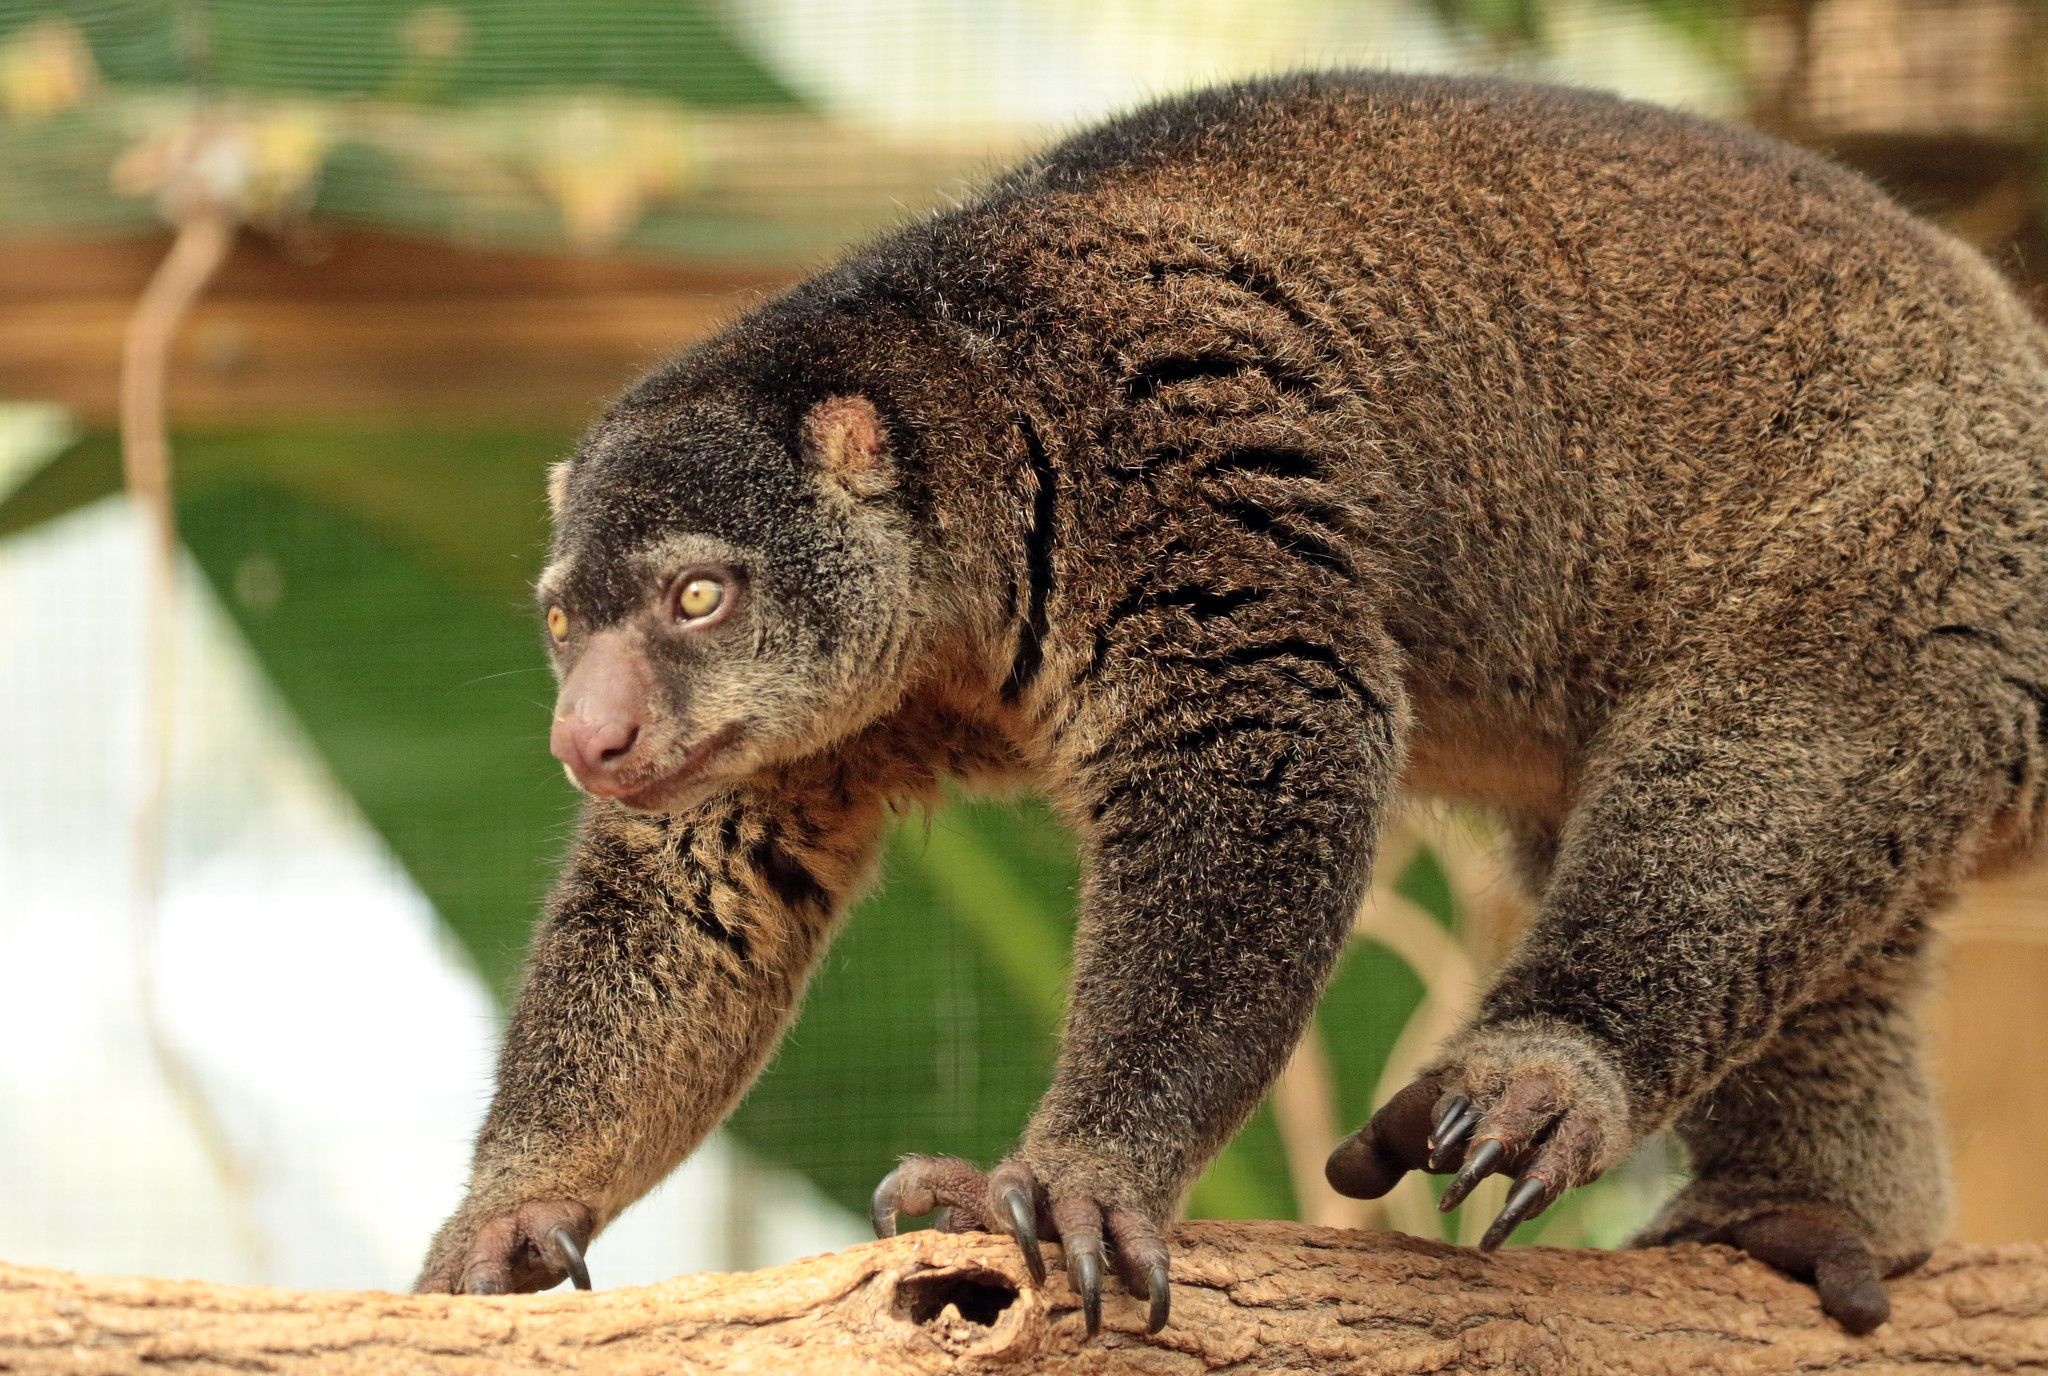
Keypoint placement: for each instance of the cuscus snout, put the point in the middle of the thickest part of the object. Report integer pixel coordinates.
(601, 714)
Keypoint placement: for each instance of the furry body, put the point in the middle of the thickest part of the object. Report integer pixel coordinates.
(1665, 489)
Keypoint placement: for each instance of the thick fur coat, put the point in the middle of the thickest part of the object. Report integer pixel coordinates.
(1667, 490)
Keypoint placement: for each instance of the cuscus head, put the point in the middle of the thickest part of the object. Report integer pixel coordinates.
(722, 595)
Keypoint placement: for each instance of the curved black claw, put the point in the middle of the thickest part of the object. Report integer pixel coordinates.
(1486, 1154)
(1157, 1288)
(1086, 1267)
(882, 1206)
(1525, 1201)
(572, 1255)
(1458, 1120)
(1851, 1292)
(1026, 1229)
(1453, 1111)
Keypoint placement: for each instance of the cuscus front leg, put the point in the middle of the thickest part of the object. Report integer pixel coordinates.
(1228, 784)
(1823, 1157)
(1012, 1199)
(643, 1017)
(1748, 858)
(1227, 849)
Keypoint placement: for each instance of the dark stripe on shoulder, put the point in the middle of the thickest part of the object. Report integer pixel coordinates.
(2039, 696)
(1293, 537)
(1272, 462)
(1244, 275)
(1203, 604)
(788, 877)
(706, 921)
(1154, 377)
(1297, 647)
(1157, 379)
(1038, 544)
(1198, 736)
(698, 908)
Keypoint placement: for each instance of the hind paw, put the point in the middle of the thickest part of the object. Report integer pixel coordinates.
(1816, 1242)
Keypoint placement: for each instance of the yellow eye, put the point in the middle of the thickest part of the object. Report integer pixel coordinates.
(699, 598)
(558, 623)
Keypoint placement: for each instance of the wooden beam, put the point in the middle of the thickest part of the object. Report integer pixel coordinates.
(1248, 1297)
(362, 325)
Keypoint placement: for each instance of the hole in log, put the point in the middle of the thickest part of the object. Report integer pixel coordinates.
(980, 1296)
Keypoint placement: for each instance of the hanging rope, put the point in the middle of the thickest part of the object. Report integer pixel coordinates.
(204, 238)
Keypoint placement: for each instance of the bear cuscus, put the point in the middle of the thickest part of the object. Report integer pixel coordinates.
(1666, 491)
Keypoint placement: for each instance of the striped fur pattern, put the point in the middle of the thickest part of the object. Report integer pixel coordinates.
(672, 957)
(1668, 491)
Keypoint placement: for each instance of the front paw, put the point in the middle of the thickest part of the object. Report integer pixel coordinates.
(530, 1246)
(1013, 1199)
(1538, 1101)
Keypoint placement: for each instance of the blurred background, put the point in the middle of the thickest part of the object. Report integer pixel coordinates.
(276, 805)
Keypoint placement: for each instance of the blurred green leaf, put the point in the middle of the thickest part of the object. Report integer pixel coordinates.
(1713, 27)
(1425, 884)
(1504, 23)
(1018, 918)
(918, 1036)
(467, 502)
(421, 49)
(1369, 1001)
(426, 700)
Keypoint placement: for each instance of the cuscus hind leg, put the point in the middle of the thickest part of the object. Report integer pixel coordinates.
(1824, 1156)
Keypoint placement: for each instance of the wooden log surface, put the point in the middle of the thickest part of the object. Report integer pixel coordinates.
(1248, 1298)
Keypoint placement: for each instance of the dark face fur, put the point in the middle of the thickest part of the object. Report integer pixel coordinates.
(720, 597)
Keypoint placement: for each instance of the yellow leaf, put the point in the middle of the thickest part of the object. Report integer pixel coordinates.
(46, 67)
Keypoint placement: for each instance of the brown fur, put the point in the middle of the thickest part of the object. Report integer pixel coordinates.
(1665, 488)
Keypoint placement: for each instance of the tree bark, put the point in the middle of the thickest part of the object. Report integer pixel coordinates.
(1248, 1297)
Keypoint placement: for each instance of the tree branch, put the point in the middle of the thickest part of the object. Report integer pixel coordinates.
(1248, 1297)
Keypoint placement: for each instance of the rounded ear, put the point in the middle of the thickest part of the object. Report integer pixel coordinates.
(844, 435)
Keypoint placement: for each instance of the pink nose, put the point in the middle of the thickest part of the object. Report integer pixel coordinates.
(593, 750)
(602, 707)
